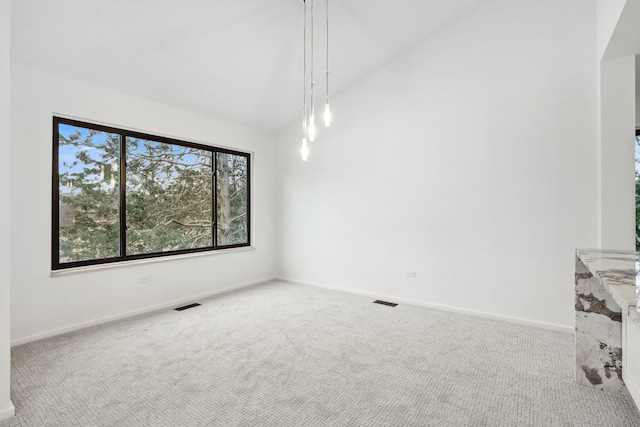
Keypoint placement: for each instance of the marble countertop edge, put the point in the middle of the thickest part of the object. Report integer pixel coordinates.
(634, 316)
(616, 270)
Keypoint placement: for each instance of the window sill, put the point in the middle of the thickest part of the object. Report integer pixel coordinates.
(133, 263)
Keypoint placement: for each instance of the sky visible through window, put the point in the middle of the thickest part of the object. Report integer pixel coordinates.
(70, 155)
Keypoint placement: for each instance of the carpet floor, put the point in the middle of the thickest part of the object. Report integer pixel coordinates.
(286, 355)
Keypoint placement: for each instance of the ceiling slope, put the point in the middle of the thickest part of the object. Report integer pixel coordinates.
(234, 60)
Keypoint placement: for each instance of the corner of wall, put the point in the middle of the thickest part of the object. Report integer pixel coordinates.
(608, 14)
(7, 412)
(623, 39)
(6, 407)
(618, 42)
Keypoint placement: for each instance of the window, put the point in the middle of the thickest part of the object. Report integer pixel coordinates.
(121, 195)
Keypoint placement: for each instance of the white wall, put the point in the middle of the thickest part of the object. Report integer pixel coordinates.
(620, 39)
(42, 304)
(471, 159)
(607, 17)
(6, 408)
(624, 39)
(617, 121)
(637, 105)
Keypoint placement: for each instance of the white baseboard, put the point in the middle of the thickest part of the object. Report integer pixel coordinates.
(175, 303)
(632, 386)
(7, 411)
(630, 358)
(54, 332)
(528, 322)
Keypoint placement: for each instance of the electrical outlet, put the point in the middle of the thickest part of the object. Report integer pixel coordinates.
(410, 273)
(145, 279)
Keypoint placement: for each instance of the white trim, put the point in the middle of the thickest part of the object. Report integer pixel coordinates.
(7, 412)
(132, 263)
(534, 323)
(632, 387)
(106, 319)
(630, 366)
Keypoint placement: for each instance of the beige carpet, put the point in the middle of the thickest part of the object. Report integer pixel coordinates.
(287, 355)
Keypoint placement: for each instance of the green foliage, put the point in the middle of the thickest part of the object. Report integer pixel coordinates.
(168, 197)
(89, 217)
(231, 199)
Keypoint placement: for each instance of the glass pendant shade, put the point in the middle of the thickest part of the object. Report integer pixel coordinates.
(309, 124)
(327, 115)
(304, 150)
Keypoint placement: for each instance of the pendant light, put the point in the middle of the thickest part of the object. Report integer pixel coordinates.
(309, 129)
(304, 150)
(327, 110)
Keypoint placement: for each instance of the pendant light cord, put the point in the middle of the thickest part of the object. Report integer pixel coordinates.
(304, 73)
(311, 85)
(327, 52)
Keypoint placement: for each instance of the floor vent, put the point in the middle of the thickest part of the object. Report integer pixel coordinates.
(195, 304)
(390, 304)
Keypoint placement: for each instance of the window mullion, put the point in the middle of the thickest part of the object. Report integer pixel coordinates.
(214, 198)
(123, 195)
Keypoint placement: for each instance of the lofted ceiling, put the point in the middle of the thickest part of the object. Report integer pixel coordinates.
(238, 60)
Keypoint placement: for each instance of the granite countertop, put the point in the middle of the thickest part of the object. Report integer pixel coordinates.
(617, 272)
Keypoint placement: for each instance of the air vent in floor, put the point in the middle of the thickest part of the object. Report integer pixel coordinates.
(390, 304)
(195, 304)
